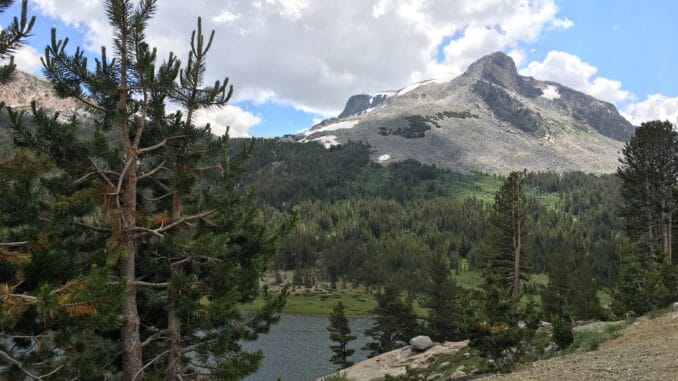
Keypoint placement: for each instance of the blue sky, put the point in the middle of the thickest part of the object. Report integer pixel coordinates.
(295, 62)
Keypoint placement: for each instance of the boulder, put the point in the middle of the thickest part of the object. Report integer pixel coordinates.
(675, 306)
(421, 343)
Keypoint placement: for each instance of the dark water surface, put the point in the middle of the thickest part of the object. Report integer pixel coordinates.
(298, 348)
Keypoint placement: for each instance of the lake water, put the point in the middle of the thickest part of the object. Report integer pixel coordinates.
(298, 348)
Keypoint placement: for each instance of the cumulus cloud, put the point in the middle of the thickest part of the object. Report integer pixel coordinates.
(571, 71)
(237, 120)
(655, 107)
(27, 59)
(314, 54)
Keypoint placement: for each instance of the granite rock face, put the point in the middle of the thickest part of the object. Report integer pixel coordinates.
(489, 119)
(361, 103)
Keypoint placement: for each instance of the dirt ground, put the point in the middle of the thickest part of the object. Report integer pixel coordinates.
(646, 350)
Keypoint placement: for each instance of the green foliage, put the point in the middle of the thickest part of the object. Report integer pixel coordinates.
(445, 301)
(340, 333)
(395, 322)
(571, 293)
(649, 176)
(590, 340)
(13, 37)
(562, 333)
(507, 259)
(138, 197)
(416, 128)
(643, 285)
(495, 328)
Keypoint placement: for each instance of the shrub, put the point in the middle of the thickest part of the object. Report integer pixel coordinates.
(562, 333)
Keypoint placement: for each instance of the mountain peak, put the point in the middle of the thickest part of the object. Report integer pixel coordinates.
(497, 68)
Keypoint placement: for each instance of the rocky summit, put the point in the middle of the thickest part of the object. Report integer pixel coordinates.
(489, 119)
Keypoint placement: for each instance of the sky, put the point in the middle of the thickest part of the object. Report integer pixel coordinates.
(294, 63)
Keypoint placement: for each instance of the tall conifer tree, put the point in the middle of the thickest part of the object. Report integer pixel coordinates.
(157, 197)
(340, 333)
(649, 175)
(509, 217)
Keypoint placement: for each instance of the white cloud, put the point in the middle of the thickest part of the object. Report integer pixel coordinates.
(562, 23)
(226, 16)
(239, 120)
(88, 16)
(314, 54)
(654, 107)
(571, 71)
(518, 56)
(27, 59)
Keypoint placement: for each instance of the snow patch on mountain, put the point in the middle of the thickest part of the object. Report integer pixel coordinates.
(550, 92)
(333, 127)
(327, 141)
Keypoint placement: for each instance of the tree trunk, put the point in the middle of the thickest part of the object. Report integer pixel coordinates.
(173, 323)
(132, 356)
(669, 229)
(517, 247)
(174, 333)
(131, 344)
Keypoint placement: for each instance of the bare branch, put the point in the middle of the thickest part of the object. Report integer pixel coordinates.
(128, 165)
(153, 171)
(92, 227)
(174, 224)
(159, 145)
(156, 336)
(156, 358)
(101, 173)
(18, 364)
(149, 284)
(27, 298)
(94, 173)
(161, 197)
(185, 219)
(14, 244)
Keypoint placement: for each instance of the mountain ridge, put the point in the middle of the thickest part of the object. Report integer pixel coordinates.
(489, 119)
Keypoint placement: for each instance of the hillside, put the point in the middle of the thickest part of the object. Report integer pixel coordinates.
(646, 350)
(490, 119)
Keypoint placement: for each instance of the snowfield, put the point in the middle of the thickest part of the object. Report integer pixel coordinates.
(334, 126)
(327, 141)
(550, 92)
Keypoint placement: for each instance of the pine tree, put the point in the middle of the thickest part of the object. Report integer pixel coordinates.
(641, 286)
(44, 286)
(584, 291)
(340, 333)
(509, 217)
(572, 292)
(443, 298)
(12, 37)
(394, 322)
(649, 175)
(496, 329)
(158, 199)
(556, 295)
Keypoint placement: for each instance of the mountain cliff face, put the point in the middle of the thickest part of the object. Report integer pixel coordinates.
(24, 88)
(489, 119)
